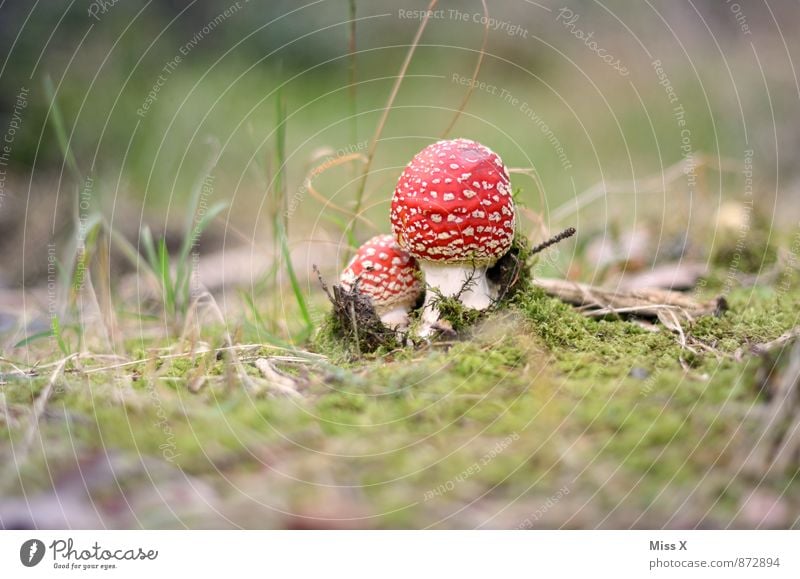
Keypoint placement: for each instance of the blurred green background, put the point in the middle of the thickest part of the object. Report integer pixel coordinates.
(665, 131)
(570, 91)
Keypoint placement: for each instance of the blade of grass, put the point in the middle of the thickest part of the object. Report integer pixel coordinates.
(251, 304)
(264, 332)
(280, 154)
(341, 224)
(58, 128)
(295, 284)
(166, 277)
(201, 226)
(194, 198)
(85, 250)
(478, 64)
(150, 249)
(56, 326)
(353, 75)
(183, 268)
(48, 333)
(281, 216)
(80, 249)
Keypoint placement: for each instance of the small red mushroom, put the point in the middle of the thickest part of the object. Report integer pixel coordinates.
(388, 275)
(453, 211)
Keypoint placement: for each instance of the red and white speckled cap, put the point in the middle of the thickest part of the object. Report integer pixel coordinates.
(388, 274)
(453, 203)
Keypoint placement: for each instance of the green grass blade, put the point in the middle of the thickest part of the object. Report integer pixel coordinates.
(296, 289)
(58, 128)
(48, 333)
(353, 76)
(150, 250)
(56, 327)
(84, 251)
(166, 276)
(342, 225)
(280, 171)
(200, 227)
(194, 199)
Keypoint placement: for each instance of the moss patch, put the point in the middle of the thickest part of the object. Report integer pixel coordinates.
(533, 399)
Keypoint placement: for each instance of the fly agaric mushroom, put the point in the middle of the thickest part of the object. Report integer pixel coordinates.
(388, 276)
(453, 211)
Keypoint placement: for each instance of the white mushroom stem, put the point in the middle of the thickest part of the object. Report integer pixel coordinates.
(464, 280)
(395, 317)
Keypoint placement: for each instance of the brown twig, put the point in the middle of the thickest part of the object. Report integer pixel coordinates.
(646, 302)
(765, 347)
(359, 325)
(277, 382)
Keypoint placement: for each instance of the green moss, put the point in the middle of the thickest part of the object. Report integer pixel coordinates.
(756, 316)
(599, 403)
(341, 338)
(750, 252)
(179, 367)
(452, 311)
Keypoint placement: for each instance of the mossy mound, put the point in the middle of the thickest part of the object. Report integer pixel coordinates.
(352, 326)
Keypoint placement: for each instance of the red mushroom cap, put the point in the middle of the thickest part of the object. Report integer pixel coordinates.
(453, 203)
(388, 274)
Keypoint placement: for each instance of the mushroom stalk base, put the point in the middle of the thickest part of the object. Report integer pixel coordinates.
(395, 317)
(459, 279)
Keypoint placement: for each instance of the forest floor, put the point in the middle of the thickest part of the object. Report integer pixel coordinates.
(535, 416)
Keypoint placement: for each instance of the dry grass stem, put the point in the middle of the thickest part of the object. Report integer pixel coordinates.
(478, 64)
(39, 406)
(387, 109)
(277, 382)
